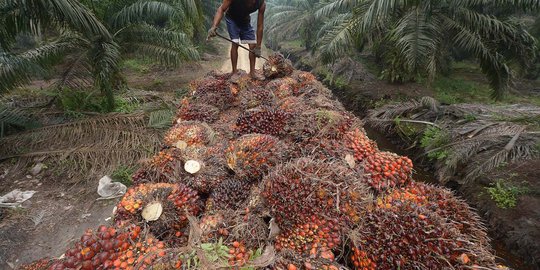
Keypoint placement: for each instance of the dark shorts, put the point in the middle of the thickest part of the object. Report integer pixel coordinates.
(240, 33)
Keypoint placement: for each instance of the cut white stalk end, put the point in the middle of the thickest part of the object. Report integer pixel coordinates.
(192, 166)
(152, 211)
(181, 145)
(350, 161)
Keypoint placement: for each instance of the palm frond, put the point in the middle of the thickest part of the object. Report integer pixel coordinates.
(161, 118)
(13, 117)
(28, 16)
(142, 11)
(93, 146)
(18, 69)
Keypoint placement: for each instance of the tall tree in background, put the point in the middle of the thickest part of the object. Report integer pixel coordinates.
(415, 37)
(293, 19)
(89, 49)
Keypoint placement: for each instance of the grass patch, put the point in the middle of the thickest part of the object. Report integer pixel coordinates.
(452, 90)
(505, 194)
(123, 174)
(292, 45)
(139, 65)
(434, 137)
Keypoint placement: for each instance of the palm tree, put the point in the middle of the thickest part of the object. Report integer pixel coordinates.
(293, 19)
(415, 37)
(91, 50)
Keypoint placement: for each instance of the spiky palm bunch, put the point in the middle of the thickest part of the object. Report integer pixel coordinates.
(416, 36)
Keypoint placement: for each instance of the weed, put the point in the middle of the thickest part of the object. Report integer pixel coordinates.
(181, 93)
(123, 174)
(216, 252)
(504, 194)
(434, 137)
(125, 105)
(141, 66)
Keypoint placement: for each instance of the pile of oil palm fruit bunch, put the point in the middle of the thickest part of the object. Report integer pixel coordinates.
(275, 174)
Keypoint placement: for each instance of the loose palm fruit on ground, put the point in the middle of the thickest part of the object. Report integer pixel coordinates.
(306, 187)
(192, 111)
(263, 120)
(363, 147)
(386, 170)
(189, 133)
(316, 237)
(252, 155)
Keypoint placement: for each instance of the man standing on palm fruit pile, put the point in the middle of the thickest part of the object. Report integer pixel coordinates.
(240, 30)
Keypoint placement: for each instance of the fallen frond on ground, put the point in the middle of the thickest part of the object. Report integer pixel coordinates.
(466, 140)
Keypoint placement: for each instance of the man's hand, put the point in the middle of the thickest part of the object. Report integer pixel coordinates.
(211, 32)
(257, 51)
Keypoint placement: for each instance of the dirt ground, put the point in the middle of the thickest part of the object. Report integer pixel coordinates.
(59, 212)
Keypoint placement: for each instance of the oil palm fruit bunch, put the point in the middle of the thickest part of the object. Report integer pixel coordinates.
(358, 141)
(306, 187)
(253, 155)
(112, 248)
(386, 170)
(321, 148)
(230, 194)
(214, 226)
(277, 66)
(215, 92)
(204, 167)
(167, 161)
(407, 236)
(282, 88)
(315, 237)
(256, 97)
(294, 106)
(321, 123)
(149, 174)
(308, 85)
(189, 133)
(263, 120)
(442, 202)
(193, 111)
(163, 206)
(323, 102)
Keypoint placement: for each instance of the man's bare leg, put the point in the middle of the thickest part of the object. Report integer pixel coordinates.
(252, 59)
(234, 58)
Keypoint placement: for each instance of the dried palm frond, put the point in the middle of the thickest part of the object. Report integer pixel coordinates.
(480, 137)
(90, 146)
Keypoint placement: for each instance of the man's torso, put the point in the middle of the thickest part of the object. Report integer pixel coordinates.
(239, 10)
